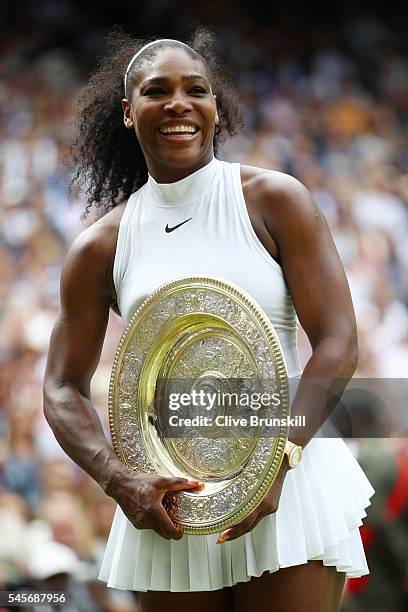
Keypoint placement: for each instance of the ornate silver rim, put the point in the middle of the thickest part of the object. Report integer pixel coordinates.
(269, 454)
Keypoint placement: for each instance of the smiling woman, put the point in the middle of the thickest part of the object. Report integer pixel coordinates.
(150, 121)
(174, 117)
(108, 161)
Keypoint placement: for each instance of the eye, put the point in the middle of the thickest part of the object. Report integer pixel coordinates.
(198, 90)
(153, 91)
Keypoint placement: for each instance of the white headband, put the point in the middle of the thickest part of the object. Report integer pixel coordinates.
(172, 40)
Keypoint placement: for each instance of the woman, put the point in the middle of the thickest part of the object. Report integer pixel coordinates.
(171, 209)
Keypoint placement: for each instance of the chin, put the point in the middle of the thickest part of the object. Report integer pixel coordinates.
(181, 158)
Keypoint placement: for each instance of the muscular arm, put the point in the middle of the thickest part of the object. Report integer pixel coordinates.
(321, 296)
(74, 352)
(298, 235)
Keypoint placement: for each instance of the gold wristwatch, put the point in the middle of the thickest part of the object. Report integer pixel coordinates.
(293, 454)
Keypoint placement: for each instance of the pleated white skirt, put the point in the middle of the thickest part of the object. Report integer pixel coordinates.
(321, 507)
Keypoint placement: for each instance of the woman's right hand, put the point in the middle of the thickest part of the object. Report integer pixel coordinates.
(140, 496)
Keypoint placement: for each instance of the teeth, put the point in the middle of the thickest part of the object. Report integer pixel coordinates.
(178, 128)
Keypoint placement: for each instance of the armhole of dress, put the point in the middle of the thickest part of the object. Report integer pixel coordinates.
(245, 218)
(118, 263)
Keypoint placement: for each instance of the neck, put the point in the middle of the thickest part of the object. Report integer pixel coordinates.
(191, 187)
(168, 174)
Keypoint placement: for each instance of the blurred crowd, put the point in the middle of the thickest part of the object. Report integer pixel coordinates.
(334, 117)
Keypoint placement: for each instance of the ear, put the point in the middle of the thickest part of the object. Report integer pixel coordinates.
(217, 119)
(127, 114)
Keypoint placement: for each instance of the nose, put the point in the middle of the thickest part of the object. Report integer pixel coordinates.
(178, 104)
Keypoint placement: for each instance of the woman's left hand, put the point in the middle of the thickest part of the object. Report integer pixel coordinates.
(267, 506)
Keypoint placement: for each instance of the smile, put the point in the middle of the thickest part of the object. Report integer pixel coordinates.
(179, 129)
(179, 133)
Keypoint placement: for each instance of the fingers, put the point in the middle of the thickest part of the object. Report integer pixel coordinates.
(180, 484)
(158, 520)
(166, 526)
(239, 529)
(154, 515)
(267, 506)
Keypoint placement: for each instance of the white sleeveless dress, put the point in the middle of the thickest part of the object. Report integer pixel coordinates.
(323, 499)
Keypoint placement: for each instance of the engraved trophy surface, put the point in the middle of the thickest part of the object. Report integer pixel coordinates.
(204, 339)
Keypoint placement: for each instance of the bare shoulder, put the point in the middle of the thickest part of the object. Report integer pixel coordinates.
(92, 253)
(273, 184)
(102, 234)
(280, 198)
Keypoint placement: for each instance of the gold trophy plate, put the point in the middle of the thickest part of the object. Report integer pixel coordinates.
(200, 333)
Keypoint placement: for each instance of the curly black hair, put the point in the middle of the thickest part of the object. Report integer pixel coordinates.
(106, 158)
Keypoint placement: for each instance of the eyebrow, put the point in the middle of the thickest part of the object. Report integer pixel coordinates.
(165, 80)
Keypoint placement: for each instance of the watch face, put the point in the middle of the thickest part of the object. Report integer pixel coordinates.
(296, 456)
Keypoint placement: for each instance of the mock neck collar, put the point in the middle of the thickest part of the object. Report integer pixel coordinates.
(185, 190)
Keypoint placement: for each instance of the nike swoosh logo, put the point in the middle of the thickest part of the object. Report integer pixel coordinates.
(171, 229)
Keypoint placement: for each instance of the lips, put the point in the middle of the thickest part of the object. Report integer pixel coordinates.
(179, 132)
(179, 137)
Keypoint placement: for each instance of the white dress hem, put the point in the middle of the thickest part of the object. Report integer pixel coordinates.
(320, 511)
